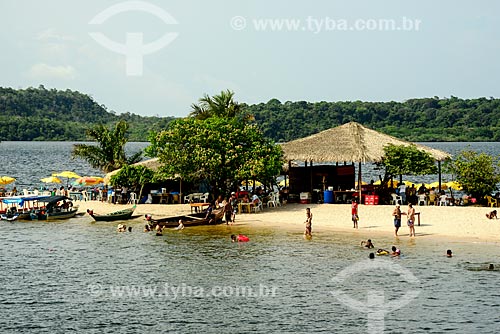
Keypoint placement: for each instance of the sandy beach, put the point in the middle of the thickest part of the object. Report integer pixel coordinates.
(464, 223)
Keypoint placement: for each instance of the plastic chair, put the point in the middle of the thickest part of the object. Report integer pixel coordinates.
(432, 199)
(422, 199)
(132, 198)
(272, 200)
(396, 199)
(149, 200)
(188, 198)
(85, 196)
(443, 201)
(492, 202)
(204, 197)
(258, 207)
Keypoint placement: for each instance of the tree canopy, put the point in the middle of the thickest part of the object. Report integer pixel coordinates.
(478, 173)
(407, 160)
(222, 151)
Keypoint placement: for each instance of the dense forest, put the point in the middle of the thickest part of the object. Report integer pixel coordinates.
(426, 119)
(43, 114)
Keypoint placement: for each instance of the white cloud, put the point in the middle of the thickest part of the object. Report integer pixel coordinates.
(45, 71)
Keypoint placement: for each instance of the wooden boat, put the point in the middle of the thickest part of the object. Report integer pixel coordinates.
(113, 216)
(22, 207)
(56, 207)
(194, 219)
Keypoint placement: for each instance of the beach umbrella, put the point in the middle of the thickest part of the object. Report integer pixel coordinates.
(453, 185)
(4, 180)
(378, 182)
(251, 183)
(88, 181)
(68, 175)
(51, 179)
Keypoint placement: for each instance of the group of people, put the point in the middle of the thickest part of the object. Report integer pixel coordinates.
(369, 244)
(410, 214)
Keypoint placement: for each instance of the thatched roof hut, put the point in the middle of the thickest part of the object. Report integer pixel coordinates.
(349, 142)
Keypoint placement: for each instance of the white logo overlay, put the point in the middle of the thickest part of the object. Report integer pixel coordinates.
(375, 306)
(134, 49)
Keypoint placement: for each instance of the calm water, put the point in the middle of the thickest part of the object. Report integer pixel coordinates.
(64, 277)
(73, 276)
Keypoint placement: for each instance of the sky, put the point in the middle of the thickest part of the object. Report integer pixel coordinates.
(156, 58)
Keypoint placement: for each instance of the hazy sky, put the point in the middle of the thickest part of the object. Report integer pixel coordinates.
(324, 50)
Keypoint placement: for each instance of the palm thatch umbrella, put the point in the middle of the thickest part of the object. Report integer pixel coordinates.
(349, 142)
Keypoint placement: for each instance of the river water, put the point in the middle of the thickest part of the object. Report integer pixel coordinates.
(78, 276)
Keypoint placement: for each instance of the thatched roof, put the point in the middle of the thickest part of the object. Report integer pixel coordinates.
(349, 142)
(153, 164)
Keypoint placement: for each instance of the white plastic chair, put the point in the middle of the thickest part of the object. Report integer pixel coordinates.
(132, 198)
(149, 200)
(204, 197)
(443, 201)
(422, 199)
(396, 199)
(258, 207)
(188, 198)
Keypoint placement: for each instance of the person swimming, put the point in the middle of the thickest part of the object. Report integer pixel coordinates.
(395, 251)
(449, 253)
(371, 256)
(368, 243)
(159, 230)
(180, 226)
(239, 238)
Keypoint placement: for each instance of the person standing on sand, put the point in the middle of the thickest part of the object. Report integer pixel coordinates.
(354, 213)
(308, 222)
(411, 219)
(397, 219)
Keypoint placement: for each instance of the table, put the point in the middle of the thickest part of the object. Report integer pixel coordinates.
(162, 198)
(345, 194)
(242, 205)
(197, 206)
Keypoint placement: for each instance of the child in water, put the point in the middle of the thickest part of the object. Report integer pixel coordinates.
(367, 244)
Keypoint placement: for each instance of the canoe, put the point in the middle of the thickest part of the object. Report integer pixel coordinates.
(113, 216)
(194, 219)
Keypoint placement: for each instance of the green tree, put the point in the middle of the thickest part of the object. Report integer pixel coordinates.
(133, 177)
(221, 151)
(407, 160)
(109, 153)
(478, 173)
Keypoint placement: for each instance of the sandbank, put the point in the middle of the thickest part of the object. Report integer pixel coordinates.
(464, 223)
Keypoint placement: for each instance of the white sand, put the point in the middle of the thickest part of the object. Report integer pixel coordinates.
(436, 221)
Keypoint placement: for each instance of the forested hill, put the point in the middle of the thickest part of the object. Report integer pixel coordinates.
(42, 114)
(426, 119)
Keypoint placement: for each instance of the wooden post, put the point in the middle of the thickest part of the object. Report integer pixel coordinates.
(359, 182)
(439, 175)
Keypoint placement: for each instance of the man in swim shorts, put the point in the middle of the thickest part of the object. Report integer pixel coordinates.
(411, 219)
(397, 219)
